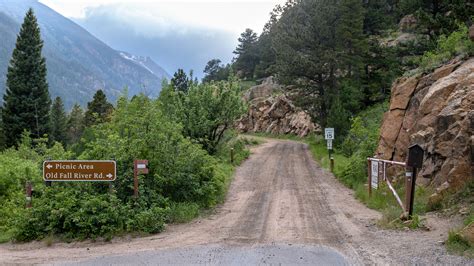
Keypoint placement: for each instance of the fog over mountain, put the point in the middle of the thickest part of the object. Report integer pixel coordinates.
(190, 50)
(177, 34)
(78, 63)
(177, 48)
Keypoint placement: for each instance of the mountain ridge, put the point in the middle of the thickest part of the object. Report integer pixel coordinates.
(78, 62)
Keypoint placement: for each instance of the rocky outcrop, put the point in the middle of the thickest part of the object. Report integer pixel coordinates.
(264, 90)
(274, 114)
(435, 111)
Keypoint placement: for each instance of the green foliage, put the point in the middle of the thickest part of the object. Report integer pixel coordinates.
(216, 71)
(360, 143)
(72, 213)
(180, 81)
(458, 245)
(206, 112)
(183, 212)
(179, 169)
(438, 17)
(338, 118)
(75, 124)
(58, 122)
(98, 110)
(246, 54)
(26, 100)
(456, 43)
(17, 166)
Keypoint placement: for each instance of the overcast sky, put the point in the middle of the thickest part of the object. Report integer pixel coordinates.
(176, 34)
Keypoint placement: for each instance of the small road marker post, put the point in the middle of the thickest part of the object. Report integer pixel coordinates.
(139, 167)
(29, 192)
(329, 136)
(232, 155)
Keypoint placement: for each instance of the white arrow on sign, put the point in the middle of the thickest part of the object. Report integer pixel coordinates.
(109, 175)
(49, 166)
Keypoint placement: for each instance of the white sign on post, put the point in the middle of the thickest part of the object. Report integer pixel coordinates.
(329, 133)
(375, 174)
(329, 142)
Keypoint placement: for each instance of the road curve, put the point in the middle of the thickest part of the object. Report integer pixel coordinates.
(281, 208)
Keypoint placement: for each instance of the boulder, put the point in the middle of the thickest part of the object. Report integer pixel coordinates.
(436, 111)
(264, 90)
(408, 23)
(275, 114)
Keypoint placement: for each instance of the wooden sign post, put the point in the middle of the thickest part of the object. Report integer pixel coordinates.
(139, 167)
(414, 161)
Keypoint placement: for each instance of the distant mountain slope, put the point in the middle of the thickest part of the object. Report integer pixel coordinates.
(78, 63)
(148, 63)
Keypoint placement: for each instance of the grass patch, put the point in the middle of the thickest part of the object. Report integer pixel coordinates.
(6, 236)
(456, 244)
(246, 84)
(183, 212)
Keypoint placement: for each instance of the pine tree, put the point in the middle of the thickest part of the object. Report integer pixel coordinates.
(180, 81)
(26, 101)
(2, 135)
(75, 124)
(349, 29)
(246, 51)
(58, 121)
(98, 110)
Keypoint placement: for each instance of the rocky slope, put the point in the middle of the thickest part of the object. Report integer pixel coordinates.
(436, 111)
(270, 111)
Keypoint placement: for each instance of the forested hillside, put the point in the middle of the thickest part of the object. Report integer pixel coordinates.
(344, 55)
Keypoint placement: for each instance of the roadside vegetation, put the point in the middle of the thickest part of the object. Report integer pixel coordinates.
(188, 173)
(185, 135)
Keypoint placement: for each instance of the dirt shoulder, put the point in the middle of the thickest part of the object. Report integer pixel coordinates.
(279, 195)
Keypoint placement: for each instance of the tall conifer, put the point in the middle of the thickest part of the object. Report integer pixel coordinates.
(26, 101)
(58, 121)
(75, 124)
(98, 110)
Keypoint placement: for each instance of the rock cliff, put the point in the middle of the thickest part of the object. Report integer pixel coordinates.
(271, 111)
(436, 111)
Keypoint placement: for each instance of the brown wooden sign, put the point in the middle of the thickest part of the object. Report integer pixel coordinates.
(79, 170)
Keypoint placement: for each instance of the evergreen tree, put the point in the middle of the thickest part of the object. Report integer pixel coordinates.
(216, 71)
(26, 101)
(75, 124)
(247, 57)
(2, 135)
(98, 110)
(58, 121)
(351, 45)
(180, 81)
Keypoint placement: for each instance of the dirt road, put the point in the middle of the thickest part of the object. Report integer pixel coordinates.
(280, 202)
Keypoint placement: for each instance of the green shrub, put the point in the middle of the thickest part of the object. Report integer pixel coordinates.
(360, 143)
(72, 213)
(179, 169)
(149, 221)
(457, 43)
(458, 245)
(183, 212)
